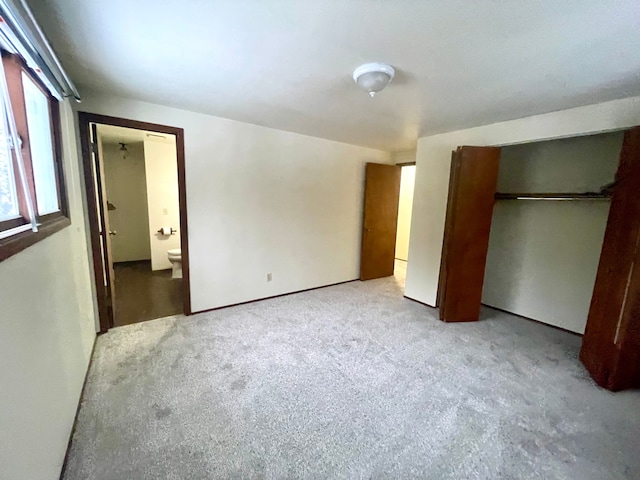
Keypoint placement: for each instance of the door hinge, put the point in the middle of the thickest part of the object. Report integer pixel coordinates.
(94, 148)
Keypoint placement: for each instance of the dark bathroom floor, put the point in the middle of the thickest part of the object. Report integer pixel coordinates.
(142, 294)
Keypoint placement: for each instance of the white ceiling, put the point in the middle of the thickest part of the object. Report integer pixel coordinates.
(113, 134)
(287, 63)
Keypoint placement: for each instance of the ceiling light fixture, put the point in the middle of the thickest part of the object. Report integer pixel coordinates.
(373, 77)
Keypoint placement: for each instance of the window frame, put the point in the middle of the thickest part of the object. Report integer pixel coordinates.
(50, 223)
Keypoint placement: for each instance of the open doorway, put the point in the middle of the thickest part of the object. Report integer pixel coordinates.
(388, 201)
(134, 175)
(405, 206)
(143, 218)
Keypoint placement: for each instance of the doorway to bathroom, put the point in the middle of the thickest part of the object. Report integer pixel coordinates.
(134, 177)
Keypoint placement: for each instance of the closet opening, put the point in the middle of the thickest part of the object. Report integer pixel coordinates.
(550, 231)
(548, 225)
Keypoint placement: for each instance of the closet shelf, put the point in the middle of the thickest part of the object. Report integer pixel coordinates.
(553, 196)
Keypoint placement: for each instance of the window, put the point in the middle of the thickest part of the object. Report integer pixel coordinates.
(41, 142)
(32, 194)
(8, 194)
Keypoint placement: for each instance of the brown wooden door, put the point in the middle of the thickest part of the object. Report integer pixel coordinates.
(611, 342)
(472, 189)
(108, 294)
(451, 201)
(380, 223)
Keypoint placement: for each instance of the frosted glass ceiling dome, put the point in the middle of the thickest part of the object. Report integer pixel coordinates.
(373, 77)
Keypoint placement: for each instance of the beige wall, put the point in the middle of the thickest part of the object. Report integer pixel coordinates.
(543, 255)
(405, 156)
(162, 199)
(404, 212)
(47, 329)
(261, 201)
(432, 174)
(127, 191)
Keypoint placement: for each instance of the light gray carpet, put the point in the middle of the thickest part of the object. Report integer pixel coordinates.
(350, 381)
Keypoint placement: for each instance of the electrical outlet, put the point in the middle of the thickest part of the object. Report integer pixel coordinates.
(269, 277)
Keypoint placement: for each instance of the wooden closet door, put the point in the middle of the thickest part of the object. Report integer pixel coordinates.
(451, 201)
(472, 189)
(611, 342)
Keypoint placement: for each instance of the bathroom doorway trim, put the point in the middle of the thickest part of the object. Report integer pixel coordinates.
(85, 120)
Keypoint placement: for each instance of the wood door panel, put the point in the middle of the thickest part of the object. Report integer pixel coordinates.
(379, 226)
(104, 229)
(611, 342)
(449, 221)
(472, 188)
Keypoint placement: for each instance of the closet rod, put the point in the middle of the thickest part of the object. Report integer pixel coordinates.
(553, 196)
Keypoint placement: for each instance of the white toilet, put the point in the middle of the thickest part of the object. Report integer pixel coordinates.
(175, 257)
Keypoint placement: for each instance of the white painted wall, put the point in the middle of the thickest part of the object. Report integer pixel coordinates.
(161, 163)
(407, 180)
(432, 174)
(261, 201)
(127, 191)
(405, 156)
(543, 255)
(47, 329)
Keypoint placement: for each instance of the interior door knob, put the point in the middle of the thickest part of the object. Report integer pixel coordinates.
(112, 232)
